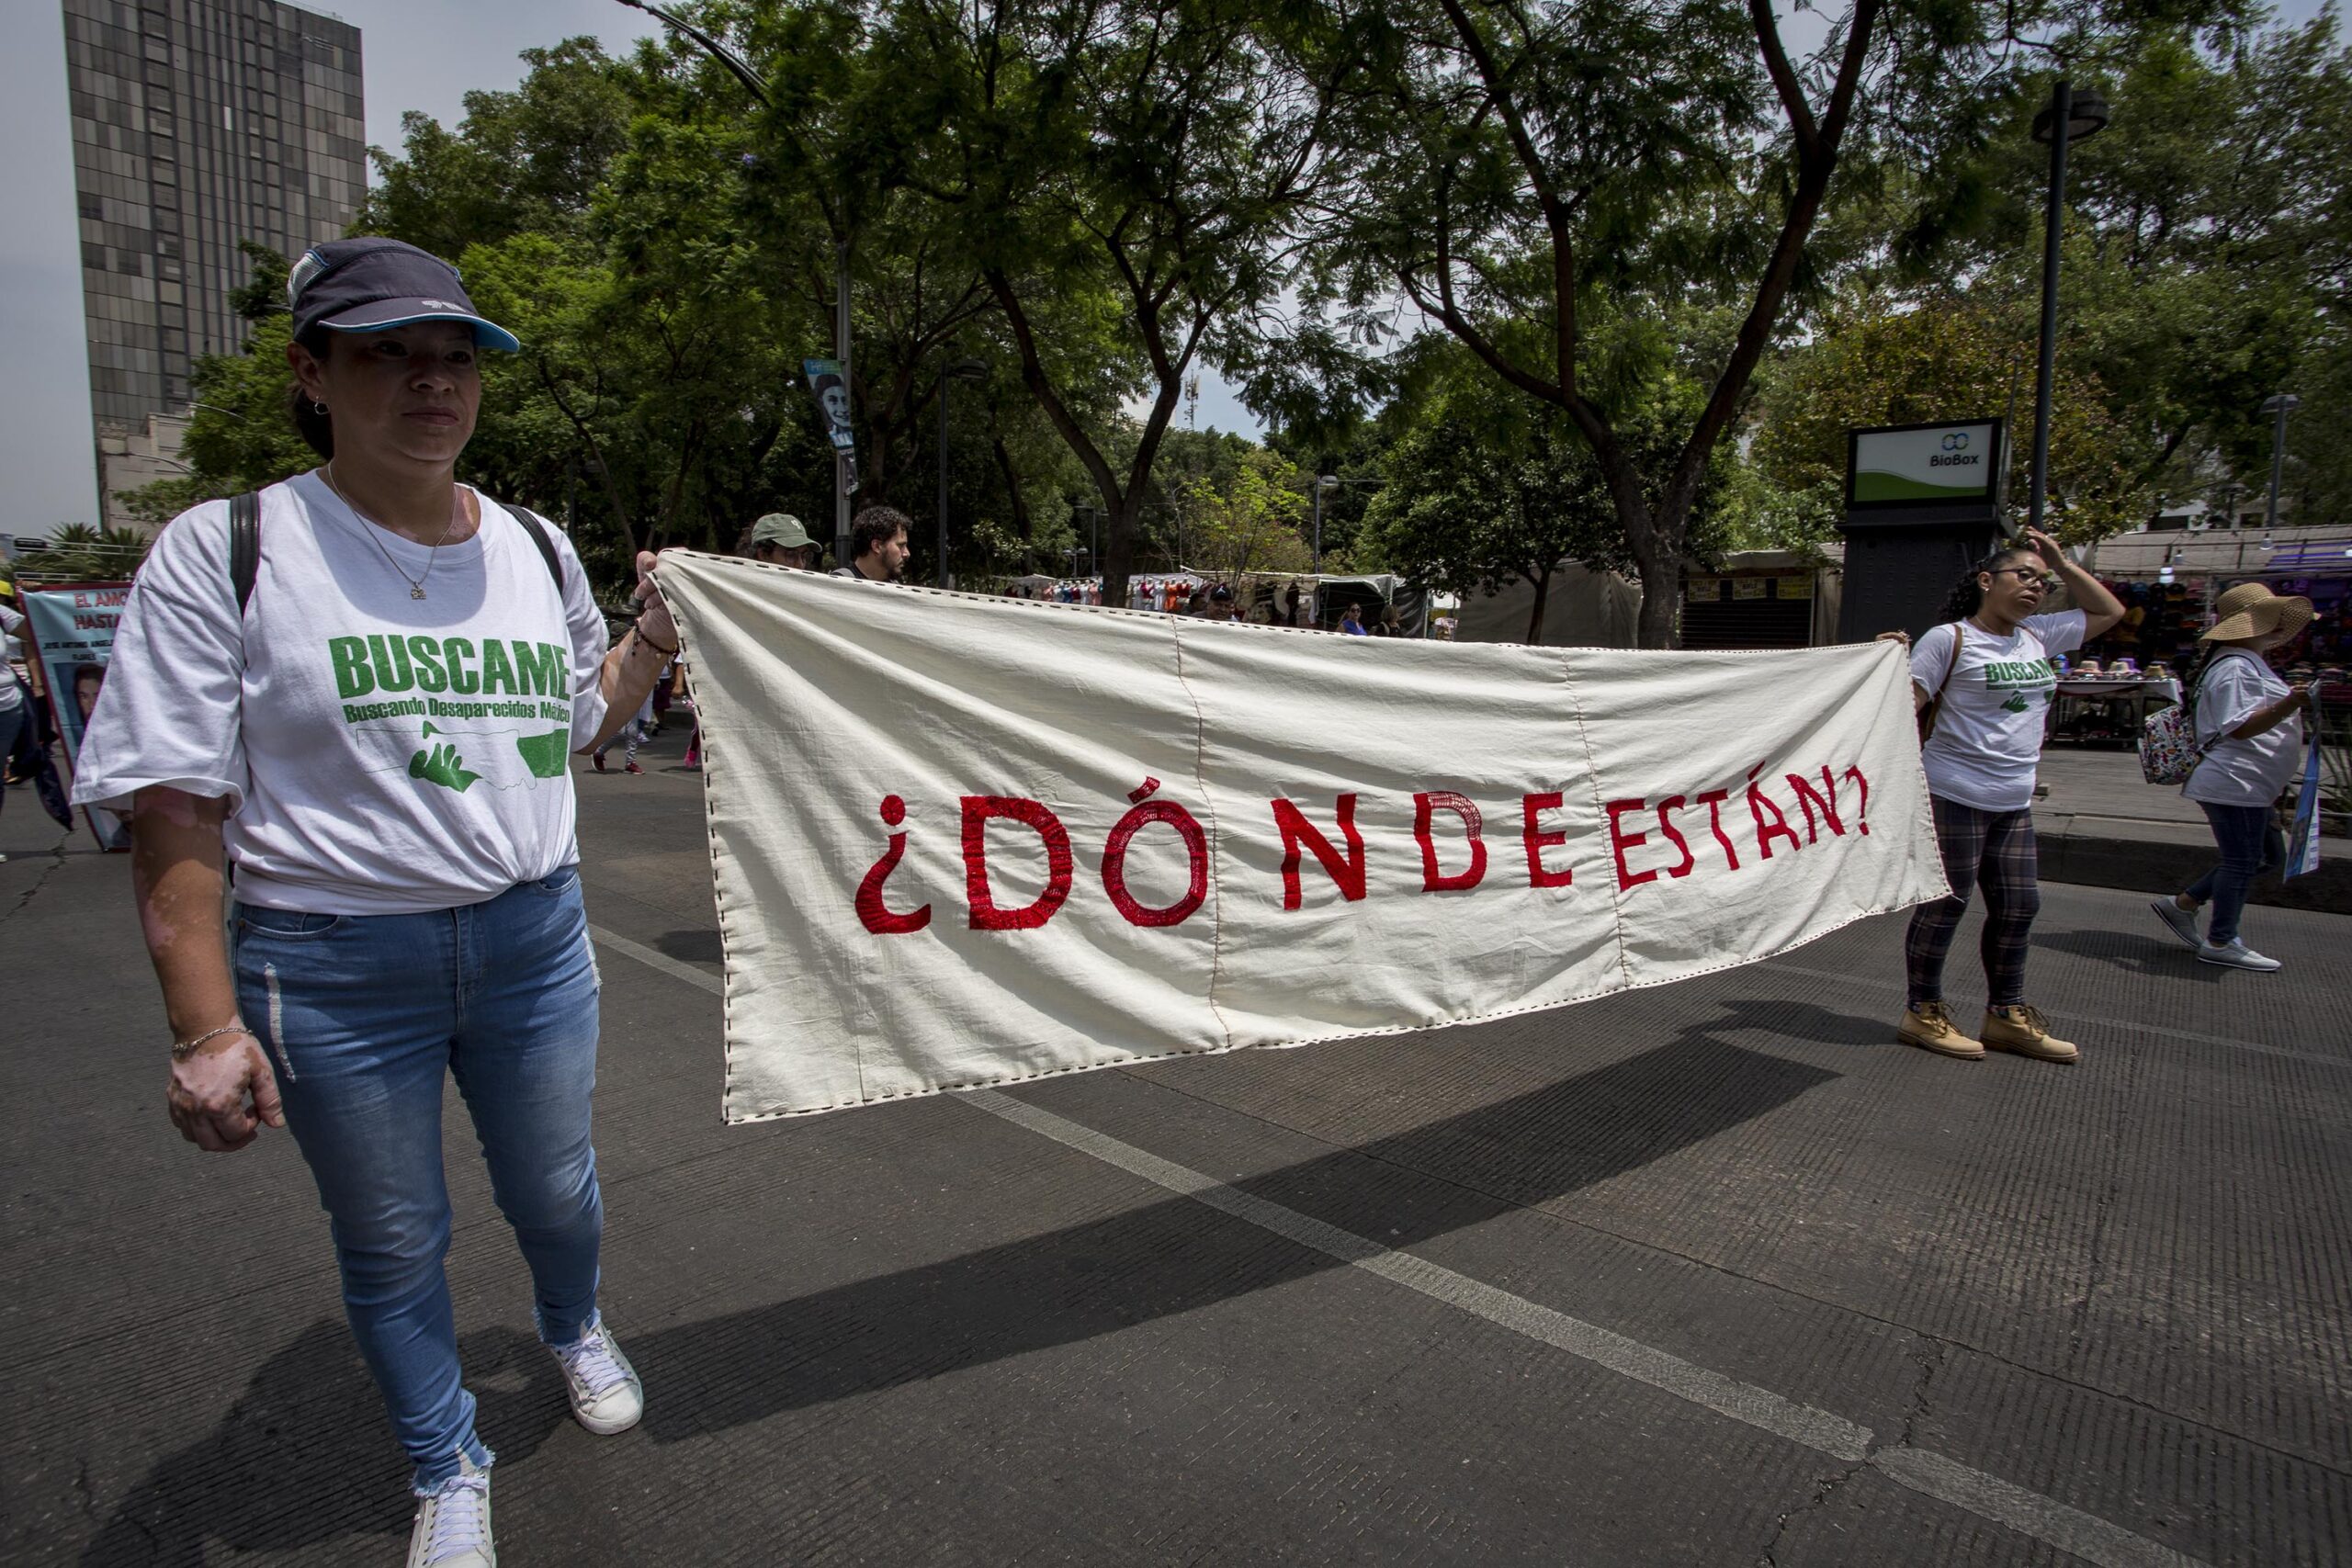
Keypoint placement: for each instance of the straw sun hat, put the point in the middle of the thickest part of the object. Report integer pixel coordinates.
(2251, 609)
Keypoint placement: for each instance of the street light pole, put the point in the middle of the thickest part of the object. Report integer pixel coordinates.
(2068, 119)
(2282, 405)
(844, 473)
(949, 370)
(1322, 483)
(844, 476)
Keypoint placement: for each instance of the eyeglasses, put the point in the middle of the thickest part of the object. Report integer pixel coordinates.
(2026, 574)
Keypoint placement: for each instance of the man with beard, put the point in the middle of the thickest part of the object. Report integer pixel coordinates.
(877, 545)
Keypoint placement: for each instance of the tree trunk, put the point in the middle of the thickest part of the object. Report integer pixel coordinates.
(1660, 562)
(1542, 580)
(1021, 525)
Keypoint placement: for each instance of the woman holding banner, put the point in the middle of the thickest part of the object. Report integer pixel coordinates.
(2250, 740)
(368, 714)
(1982, 682)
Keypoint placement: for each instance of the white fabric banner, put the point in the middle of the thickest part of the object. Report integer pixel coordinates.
(963, 840)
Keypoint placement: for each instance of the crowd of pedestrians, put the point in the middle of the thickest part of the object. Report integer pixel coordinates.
(308, 684)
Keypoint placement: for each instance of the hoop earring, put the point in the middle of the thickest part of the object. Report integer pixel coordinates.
(318, 408)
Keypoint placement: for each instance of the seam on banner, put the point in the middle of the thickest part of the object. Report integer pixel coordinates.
(1601, 816)
(1217, 826)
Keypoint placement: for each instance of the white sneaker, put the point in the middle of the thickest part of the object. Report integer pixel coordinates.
(2237, 954)
(2181, 922)
(606, 1396)
(452, 1528)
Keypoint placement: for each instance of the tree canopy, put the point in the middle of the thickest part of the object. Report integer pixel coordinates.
(1537, 278)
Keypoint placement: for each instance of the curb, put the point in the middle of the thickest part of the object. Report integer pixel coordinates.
(2163, 857)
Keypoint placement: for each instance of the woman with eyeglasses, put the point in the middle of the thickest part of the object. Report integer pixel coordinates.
(1984, 679)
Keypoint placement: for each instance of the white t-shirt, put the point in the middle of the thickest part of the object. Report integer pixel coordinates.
(1987, 738)
(2242, 773)
(382, 754)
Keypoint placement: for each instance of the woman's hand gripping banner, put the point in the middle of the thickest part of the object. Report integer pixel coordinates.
(962, 840)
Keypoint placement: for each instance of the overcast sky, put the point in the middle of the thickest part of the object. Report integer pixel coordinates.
(420, 55)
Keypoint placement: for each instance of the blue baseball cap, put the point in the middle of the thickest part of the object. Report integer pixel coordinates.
(371, 284)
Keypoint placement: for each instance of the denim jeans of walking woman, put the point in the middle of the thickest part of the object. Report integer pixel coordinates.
(2251, 846)
(362, 1016)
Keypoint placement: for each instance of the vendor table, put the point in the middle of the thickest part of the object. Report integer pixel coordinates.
(2128, 703)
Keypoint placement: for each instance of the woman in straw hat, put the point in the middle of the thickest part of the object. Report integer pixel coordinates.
(2249, 728)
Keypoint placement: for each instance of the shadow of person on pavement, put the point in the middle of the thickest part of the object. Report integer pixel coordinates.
(1800, 1020)
(2154, 953)
(307, 1458)
(306, 1446)
(698, 944)
(1174, 1255)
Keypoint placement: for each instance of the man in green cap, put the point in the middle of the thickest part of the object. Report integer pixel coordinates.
(780, 540)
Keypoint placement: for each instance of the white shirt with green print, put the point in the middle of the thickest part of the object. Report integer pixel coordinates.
(383, 754)
(1987, 739)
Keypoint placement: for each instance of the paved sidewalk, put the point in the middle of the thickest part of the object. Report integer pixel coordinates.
(1709, 1274)
(2104, 825)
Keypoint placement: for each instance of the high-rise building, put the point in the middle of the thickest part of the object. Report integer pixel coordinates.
(196, 124)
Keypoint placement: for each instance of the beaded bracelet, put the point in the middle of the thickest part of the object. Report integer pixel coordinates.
(183, 1049)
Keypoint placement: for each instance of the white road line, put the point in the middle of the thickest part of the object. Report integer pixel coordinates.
(653, 958)
(2074, 1020)
(2087, 1536)
(1932, 1475)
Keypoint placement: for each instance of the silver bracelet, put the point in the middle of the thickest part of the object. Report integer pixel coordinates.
(182, 1050)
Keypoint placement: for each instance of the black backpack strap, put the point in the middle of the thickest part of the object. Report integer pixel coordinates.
(542, 533)
(244, 545)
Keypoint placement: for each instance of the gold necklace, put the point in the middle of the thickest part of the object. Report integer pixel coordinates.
(415, 584)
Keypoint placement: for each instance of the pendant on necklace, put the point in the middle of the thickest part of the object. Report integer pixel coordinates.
(416, 591)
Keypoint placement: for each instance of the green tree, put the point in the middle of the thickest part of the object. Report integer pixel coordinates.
(1878, 362)
(1525, 172)
(1132, 175)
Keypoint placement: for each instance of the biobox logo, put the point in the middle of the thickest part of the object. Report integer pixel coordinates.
(1956, 441)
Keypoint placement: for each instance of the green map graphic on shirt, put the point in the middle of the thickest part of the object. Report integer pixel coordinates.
(2023, 680)
(466, 692)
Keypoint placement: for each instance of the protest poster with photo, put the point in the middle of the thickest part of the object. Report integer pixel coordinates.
(2303, 838)
(830, 383)
(962, 840)
(71, 630)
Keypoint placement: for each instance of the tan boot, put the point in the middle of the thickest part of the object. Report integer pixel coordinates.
(2024, 1031)
(1929, 1026)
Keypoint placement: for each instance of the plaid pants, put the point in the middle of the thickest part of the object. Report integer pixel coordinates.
(1995, 850)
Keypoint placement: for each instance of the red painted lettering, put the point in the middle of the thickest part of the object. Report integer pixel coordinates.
(1538, 841)
(1620, 841)
(1758, 803)
(1812, 801)
(1425, 806)
(1674, 835)
(1297, 832)
(871, 913)
(979, 811)
(1114, 860)
(1713, 801)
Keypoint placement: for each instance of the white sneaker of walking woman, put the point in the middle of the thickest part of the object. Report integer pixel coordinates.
(452, 1528)
(2236, 955)
(606, 1396)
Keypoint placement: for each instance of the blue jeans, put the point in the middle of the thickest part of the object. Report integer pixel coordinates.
(362, 1016)
(2251, 846)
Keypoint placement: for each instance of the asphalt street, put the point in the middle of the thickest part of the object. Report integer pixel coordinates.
(1714, 1273)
